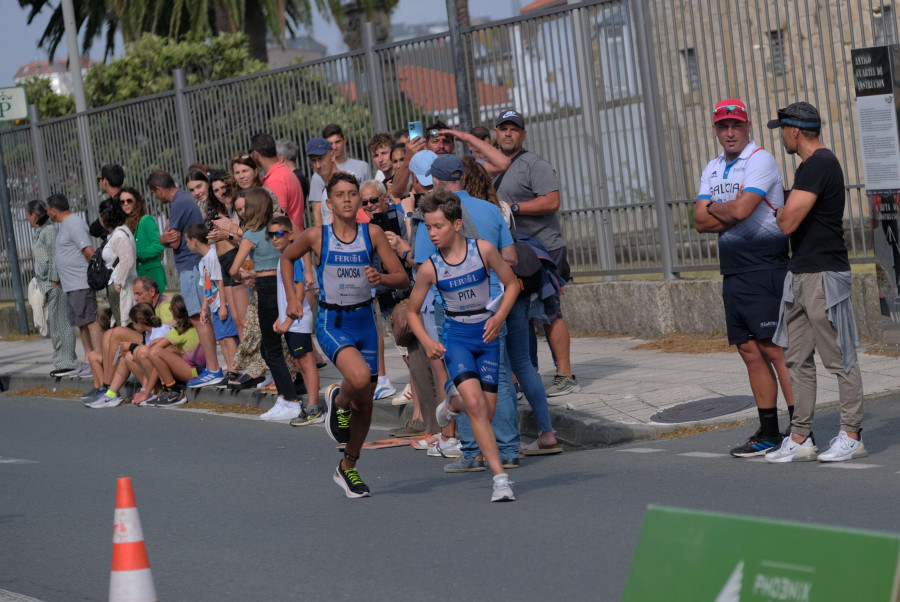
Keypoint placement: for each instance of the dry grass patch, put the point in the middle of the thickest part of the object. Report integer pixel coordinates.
(688, 343)
(696, 430)
(234, 408)
(883, 351)
(14, 338)
(42, 391)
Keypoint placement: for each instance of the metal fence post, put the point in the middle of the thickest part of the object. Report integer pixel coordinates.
(463, 99)
(88, 166)
(40, 157)
(12, 252)
(374, 79)
(183, 120)
(655, 137)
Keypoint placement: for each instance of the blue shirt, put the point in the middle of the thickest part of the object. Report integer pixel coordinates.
(491, 227)
(184, 212)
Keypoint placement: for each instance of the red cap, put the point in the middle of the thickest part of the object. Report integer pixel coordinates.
(730, 108)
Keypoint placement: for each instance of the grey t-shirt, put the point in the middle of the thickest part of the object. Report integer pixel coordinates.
(358, 169)
(528, 177)
(71, 264)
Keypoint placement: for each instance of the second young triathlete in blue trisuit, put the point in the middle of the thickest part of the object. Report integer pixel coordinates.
(345, 327)
(460, 269)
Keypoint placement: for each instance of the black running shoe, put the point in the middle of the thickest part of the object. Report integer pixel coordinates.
(337, 421)
(757, 445)
(350, 482)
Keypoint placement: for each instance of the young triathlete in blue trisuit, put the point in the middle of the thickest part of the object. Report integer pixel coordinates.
(345, 326)
(460, 269)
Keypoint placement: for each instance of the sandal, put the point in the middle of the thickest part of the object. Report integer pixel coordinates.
(244, 381)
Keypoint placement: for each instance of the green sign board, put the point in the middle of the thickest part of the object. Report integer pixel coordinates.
(704, 556)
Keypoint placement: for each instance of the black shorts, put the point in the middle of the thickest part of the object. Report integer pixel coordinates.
(752, 301)
(299, 343)
(560, 257)
(226, 260)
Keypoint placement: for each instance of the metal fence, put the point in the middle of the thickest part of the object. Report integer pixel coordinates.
(577, 74)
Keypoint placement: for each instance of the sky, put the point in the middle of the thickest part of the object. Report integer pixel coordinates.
(20, 39)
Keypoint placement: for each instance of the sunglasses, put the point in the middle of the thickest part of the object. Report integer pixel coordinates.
(366, 202)
(736, 110)
(126, 201)
(273, 234)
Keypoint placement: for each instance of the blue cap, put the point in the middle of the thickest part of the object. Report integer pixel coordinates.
(317, 147)
(420, 165)
(447, 168)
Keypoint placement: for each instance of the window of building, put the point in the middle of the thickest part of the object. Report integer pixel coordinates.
(776, 48)
(690, 70)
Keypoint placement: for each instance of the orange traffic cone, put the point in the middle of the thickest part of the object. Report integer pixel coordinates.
(130, 579)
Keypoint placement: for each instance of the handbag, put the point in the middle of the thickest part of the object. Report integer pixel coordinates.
(403, 334)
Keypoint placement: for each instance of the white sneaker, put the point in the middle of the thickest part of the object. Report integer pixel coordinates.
(385, 390)
(843, 448)
(789, 451)
(445, 449)
(282, 410)
(404, 398)
(502, 490)
(443, 413)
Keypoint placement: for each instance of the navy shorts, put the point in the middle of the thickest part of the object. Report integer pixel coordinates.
(752, 301)
(468, 356)
(299, 343)
(337, 329)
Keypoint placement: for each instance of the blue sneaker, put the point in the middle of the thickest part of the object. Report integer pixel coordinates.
(206, 378)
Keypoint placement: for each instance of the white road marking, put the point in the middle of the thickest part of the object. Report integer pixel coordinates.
(6, 596)
(642, 450)
(704, 455)
(850, 465)
(15, 461)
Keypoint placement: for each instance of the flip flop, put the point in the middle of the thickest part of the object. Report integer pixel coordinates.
(533, 449)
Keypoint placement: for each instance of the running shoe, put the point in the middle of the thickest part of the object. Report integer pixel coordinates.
(502, 490)
(150, 401)
(443, 413)
(445, 449)
(337, 421)
(757, 445)
(311, 415)
(385, 390)
(207, 378)
(404, 398)
(790, 451)
(93, 394)
(563, 385)
(172, 397)
(349, 481)
(106, 402)
(843, 448)
(60, 372)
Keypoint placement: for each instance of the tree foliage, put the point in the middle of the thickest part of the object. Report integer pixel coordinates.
(49, 103)
(147, 65)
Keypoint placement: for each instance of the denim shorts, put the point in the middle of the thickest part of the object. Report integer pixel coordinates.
(189, 282)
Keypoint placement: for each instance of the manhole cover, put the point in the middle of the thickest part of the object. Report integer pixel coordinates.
(703, 409)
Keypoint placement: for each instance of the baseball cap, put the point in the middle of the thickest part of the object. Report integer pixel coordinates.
(730, 108)
(318, 146)
(420, 165)
(447, 168)
(512, 116)
(800, 115)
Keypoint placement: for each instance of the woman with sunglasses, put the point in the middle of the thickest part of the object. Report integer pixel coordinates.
(146, 235)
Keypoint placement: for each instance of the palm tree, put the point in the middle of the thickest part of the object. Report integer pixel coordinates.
(178, 19)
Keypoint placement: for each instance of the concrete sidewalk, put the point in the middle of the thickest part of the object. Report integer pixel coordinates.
(622, 387)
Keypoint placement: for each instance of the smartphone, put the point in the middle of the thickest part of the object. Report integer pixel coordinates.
(415, 129)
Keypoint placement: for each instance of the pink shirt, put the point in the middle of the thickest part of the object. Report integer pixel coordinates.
(286, 187)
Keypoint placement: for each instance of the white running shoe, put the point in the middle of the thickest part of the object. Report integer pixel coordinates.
(443, 413)
(282, 410)
(843, 448)
(502, 490)
(385, 390)
(790, 451)
(105, 402)
(404, 398)
(445, 449)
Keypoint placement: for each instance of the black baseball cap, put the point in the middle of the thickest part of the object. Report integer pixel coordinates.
(512, 116)
(800, 115)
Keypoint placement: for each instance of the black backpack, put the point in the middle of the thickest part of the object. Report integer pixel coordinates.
(98, 274)
(528, 268)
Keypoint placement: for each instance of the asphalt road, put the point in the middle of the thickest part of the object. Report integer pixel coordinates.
(239, 509)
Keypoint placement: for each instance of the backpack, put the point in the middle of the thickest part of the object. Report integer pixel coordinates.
(98, 274)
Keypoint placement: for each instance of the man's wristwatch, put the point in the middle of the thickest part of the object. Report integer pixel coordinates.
(514, 208)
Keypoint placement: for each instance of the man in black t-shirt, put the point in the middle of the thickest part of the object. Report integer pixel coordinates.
(816, 312)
